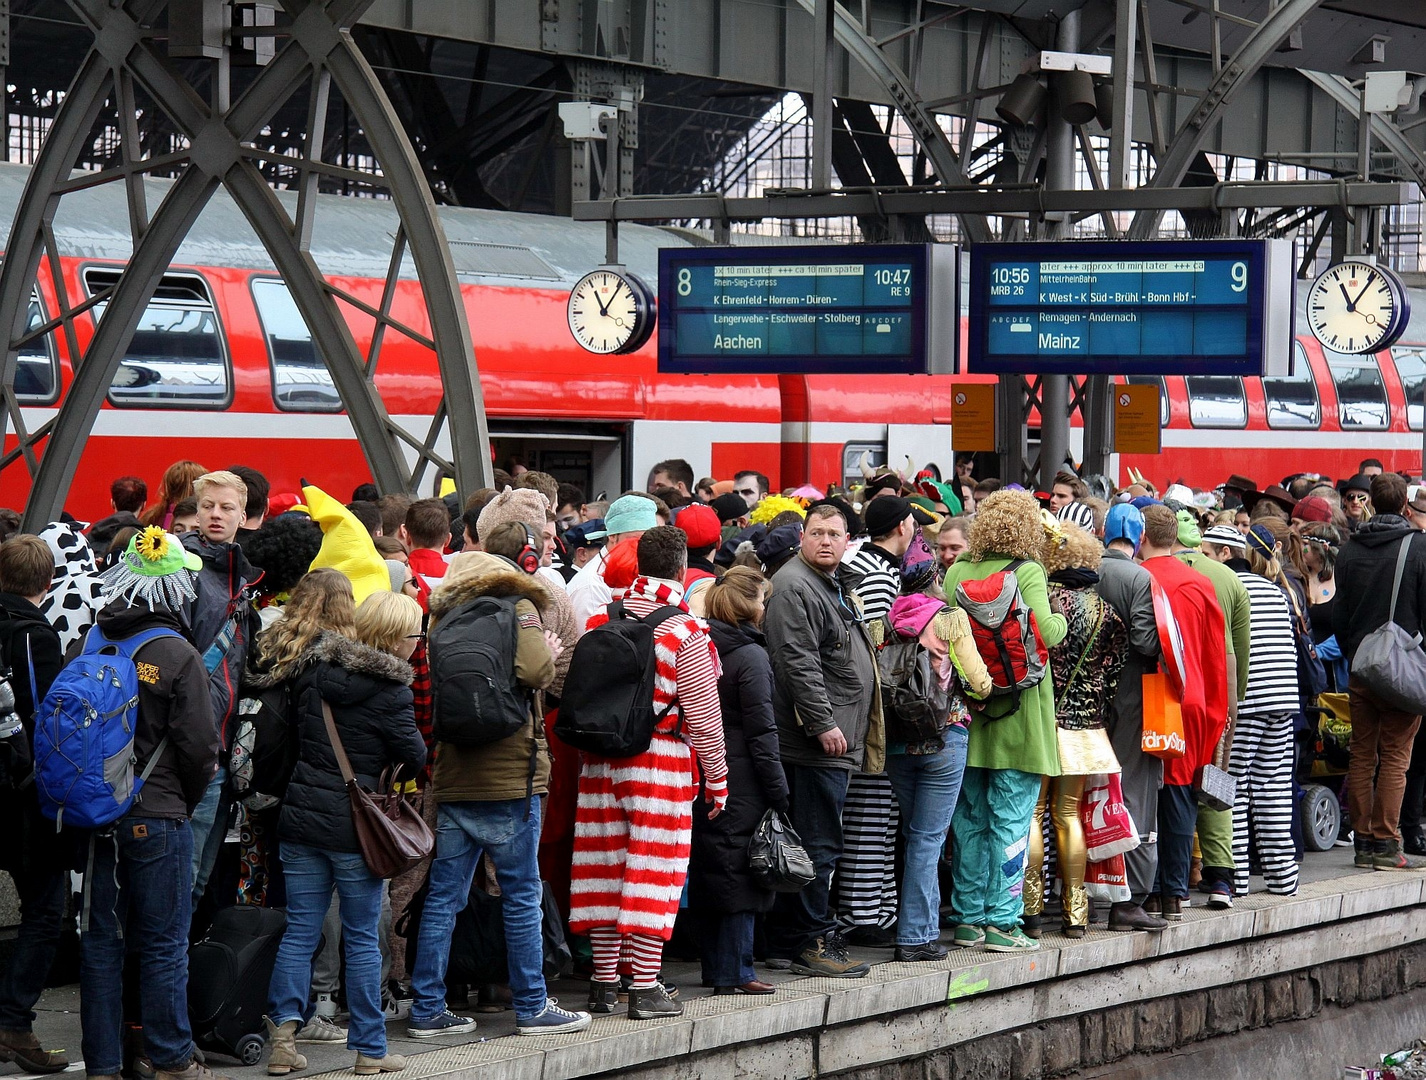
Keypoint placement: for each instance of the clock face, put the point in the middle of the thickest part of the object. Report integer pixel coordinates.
(1355, 307)
(610, 312)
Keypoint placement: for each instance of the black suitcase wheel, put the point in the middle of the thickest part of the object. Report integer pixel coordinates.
(1321, 818)
(249, 1049)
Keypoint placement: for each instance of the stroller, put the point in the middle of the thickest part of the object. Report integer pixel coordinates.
(1322, 770)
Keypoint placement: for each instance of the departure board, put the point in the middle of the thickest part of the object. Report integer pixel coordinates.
(823, 309)
(1186, 307)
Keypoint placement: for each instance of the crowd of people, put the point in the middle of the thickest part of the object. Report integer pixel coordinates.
(921, 678)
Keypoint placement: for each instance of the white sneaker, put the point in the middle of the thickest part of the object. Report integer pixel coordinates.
(321, 1030)
(327, 1006)
(395, 1008)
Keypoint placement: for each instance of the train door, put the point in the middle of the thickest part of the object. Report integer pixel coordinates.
(590, 456)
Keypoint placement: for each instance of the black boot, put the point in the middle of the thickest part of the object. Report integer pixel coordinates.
(1413, 839)
(652, 1004)
(1365, 848)
(603, 996)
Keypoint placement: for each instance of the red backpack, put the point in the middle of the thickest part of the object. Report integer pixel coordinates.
(1006, 636)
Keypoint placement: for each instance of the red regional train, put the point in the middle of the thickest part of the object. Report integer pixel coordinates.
(222, 371)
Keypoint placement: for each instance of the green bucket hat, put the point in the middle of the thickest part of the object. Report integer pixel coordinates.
(155, 568)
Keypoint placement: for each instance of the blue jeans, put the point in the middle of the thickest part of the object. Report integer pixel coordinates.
(926, 787)
(139, 888)
(992, 827)
(512, 840)
(726, 941)
(815, 812)
(1178, 818)
(41, 909)
(210, 825)
(311, 874)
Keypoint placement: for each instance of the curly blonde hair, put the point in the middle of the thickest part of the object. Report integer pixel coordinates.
(1006, 524)
(322, 600)
(1072, 548)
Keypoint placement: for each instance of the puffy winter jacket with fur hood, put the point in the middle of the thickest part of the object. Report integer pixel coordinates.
(370, 695)
(500, 770)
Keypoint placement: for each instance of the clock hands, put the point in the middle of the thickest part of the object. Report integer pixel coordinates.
(1347, 297)
(1353, 305)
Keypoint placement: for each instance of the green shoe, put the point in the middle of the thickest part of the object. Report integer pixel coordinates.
(968, 937)
(1014, 940)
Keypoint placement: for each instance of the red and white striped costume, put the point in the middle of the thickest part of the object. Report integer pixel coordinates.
(633, 826)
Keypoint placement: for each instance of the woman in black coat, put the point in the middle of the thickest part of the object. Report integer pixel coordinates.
(367, 686)
(721, 889)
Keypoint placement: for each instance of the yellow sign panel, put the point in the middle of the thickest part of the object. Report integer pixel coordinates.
(973, 417)
(1136, 419)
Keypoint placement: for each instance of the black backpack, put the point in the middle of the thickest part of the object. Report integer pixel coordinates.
(913, 704)
(265, 748)
(476, 697)
(608, 703)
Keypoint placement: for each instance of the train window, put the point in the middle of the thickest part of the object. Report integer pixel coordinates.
(300, 380)
(1154, 380)
(1292, 400)
(1216, 401)
(1361, 394)
(176, 356)
(36, 381)
(852, 460)
(1411, 366)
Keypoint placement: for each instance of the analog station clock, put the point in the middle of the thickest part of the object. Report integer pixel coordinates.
(1357, 307)
(610, 311)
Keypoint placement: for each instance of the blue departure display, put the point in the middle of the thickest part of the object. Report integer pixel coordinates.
(817, 309)
(1157, 307)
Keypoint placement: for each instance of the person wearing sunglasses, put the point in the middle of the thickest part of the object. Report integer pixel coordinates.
(1357, 501)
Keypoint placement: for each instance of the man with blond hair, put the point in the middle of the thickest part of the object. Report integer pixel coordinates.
(222, 622)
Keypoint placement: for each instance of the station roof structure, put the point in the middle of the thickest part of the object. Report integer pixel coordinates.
(476, 83)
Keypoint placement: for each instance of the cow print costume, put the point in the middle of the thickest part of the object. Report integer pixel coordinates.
(74, 598)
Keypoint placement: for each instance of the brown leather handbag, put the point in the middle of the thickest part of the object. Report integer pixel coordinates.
(390, 833)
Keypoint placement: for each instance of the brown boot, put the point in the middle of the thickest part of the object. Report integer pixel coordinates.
(25, 1050)
(370, 1066)
(194, 1071)
(283, 1040)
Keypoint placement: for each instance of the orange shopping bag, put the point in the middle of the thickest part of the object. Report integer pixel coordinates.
(1163, 720)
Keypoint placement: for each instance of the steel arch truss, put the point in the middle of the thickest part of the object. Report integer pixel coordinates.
(214, 148)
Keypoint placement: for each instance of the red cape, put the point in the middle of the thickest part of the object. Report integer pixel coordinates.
(1205, 659)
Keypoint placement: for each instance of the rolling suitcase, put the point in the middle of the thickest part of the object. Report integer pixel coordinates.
(228, 975)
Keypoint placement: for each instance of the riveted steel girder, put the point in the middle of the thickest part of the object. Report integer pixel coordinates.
(319, 52)
(1342, 92)
(1264, 40)
(908, 103)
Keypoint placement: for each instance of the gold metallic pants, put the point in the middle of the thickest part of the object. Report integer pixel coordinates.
(1069, 842)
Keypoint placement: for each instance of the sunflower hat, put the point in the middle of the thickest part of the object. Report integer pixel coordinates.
(155, 569)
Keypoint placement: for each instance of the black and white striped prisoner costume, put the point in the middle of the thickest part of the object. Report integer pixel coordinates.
(865, 879)
(1262, 757)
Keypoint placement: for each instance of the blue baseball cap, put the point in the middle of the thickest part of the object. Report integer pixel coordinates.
(586, 534)
(1124, 522)
(630, 514)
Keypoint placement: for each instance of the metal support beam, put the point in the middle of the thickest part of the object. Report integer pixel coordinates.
(1121, 134)
(1018, 199)
(823, 41)
(1259, 45)
(923, 124)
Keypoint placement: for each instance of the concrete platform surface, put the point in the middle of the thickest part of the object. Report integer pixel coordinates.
(827, 1010)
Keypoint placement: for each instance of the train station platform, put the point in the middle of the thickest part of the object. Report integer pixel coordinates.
(1347, 936)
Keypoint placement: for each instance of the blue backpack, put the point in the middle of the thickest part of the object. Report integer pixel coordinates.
(84, 734)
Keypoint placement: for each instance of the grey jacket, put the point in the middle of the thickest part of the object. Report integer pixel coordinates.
(824, 670)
